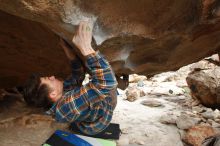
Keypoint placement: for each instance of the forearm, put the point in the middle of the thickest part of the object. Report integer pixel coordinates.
(100, 70)
(78, 75)
(78, 71)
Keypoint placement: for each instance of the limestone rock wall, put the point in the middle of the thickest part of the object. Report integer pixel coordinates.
(144, 37)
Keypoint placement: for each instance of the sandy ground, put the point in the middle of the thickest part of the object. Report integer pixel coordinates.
(140, 124)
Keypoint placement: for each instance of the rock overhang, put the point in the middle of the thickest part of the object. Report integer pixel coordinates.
(146, 38)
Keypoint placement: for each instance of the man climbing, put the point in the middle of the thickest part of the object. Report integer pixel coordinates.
(90, 107)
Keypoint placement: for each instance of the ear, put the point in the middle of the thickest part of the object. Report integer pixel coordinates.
(53, 95)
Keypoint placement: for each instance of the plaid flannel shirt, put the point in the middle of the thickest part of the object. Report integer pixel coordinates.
(88, 106)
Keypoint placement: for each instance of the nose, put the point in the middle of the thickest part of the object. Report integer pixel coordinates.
(51, 78)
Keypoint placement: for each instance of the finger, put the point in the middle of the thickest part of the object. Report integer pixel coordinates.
(73, 39)
(80, 28)
(84, 27)
(88, 31)
(90, 26)
(77, 31)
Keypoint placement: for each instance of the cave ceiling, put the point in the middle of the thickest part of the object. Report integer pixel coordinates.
(144, 37)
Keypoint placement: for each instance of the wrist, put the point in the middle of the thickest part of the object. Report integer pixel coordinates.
(87, 51)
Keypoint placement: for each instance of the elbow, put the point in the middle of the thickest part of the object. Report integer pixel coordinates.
(110, 85)
(111, 82)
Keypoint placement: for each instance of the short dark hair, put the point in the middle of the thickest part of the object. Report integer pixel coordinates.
(35, 93)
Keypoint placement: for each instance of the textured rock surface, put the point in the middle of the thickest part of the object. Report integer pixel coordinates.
(134, 93)
(197, 134)
(204, 85)
(144, 37)
(186, 122)
(28, 47)
(213, 140)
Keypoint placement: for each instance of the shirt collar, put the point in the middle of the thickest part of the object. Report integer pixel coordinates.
(52, 110)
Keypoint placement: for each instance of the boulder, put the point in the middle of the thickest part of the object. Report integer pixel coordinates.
(168, 119)
(185, 122)
(134, 78)
(133, 93)
(209, 114)
(145, 37)
(196, 135)
(204, 86)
